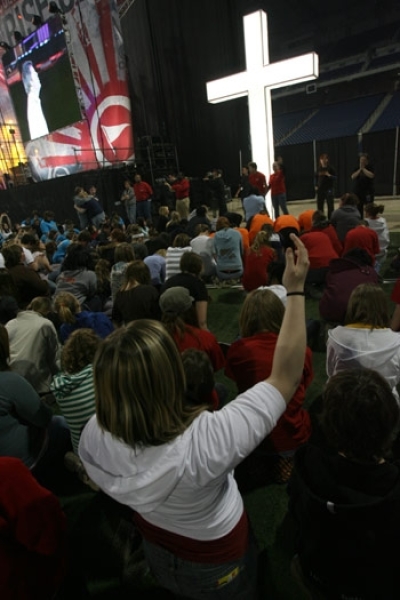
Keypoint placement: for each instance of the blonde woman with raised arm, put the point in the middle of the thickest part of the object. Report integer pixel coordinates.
(173, 464)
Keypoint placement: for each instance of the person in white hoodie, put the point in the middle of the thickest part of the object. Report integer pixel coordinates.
(173, 463)
(373, 216)
(366, 339)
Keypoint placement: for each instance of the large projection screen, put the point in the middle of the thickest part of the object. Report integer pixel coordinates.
(40, 81)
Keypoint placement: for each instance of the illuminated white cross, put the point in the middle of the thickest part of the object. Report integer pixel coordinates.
(256, 82)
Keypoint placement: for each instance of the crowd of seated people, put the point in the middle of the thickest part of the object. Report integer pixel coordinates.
(119, 317)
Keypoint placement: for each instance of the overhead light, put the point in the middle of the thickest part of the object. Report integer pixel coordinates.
(18, 37)
(36, 20)
(5, 46)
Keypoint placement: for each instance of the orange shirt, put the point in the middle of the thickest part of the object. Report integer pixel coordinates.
(245, 238)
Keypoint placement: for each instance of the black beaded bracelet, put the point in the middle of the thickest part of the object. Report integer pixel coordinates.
(296, 294)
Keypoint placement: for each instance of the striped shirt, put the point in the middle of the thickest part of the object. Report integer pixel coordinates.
(173, 260)
(75, 396)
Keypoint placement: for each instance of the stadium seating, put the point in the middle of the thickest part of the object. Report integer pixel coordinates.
(390, 118)
(336, 120)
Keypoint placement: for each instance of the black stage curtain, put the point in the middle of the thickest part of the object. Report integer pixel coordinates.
(299, 167)
(173, 48)
(380, 146)
(343, 156)
(57, 194)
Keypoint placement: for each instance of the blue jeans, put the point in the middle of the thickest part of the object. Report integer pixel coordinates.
(236, 580)
(143, 209)
(131, 212)
(83, 220)
(224, 275)
(98, 220)
(279, 202)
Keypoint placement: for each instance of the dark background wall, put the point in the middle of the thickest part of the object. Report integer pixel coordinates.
(173, 47)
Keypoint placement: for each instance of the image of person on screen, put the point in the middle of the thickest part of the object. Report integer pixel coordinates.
(36, 120)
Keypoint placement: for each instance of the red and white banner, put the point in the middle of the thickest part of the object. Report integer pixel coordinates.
(104, 136)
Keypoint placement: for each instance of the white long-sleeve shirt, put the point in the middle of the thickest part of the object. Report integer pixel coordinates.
(186, 486)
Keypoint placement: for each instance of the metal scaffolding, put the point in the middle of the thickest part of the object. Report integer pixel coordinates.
(124, 6)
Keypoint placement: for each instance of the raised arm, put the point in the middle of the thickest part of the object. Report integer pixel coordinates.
(290, 349)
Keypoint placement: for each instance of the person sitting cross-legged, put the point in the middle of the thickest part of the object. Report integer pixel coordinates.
(228, 251)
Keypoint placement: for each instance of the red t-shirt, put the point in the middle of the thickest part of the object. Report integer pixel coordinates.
(277, 183)
(259, 181)
(255, 268)
(201, 339)
(249, 361)
(143, 191)
(362, 237)
(395, 296)
(33, 540)
(181, 188)
(228, 548)
(319, 248)
(330, 231)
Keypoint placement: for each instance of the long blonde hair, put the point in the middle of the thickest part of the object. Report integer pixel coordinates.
(66, 306)
(140, 385)
(261, 240)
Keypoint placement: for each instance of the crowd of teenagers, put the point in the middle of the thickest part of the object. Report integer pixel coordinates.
(108, 368)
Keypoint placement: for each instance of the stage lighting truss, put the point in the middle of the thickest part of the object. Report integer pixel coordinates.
(124, 6)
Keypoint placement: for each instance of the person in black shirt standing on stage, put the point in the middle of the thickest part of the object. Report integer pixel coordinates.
(363, 182)
(216, 190)
(325, 177)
